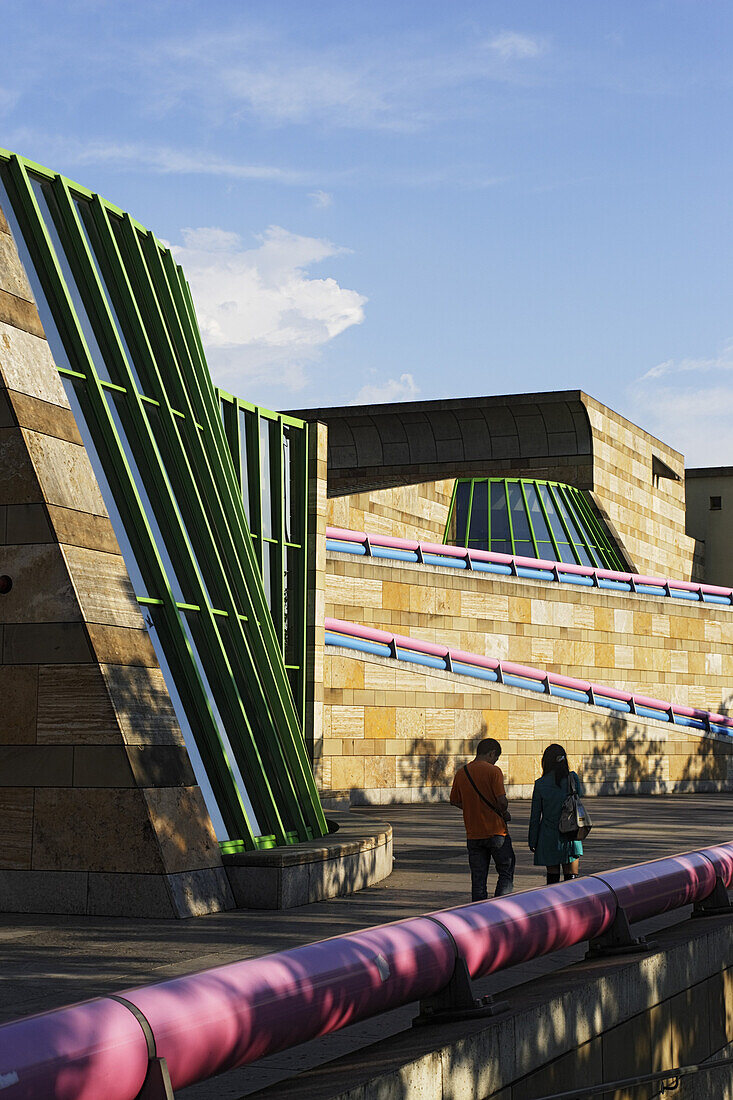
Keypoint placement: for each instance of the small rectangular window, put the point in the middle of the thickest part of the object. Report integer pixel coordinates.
(715, 504)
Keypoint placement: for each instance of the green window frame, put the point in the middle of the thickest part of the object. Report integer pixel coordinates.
(575, 532)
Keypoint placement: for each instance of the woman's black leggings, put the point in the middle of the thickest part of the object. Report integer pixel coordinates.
(554, 876)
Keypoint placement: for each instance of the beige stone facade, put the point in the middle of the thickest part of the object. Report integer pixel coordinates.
(391, 732)
(392, 468)
(422, 510)
(397, 733)
(639, 486)
(660, 646)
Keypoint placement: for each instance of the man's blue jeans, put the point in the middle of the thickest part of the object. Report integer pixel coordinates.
(480, 854)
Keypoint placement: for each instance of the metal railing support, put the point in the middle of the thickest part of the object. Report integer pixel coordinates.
(200, 1025)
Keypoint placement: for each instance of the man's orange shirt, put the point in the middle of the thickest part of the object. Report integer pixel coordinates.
(479, 820)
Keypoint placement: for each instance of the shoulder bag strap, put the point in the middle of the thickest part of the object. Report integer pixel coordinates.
(483, 798)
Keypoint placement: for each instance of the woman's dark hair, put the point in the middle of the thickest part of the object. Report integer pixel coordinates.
(554, 759)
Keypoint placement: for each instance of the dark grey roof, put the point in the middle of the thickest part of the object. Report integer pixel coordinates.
(710, 471)
(376, 446)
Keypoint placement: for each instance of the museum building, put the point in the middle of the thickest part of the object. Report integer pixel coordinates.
(220, 623)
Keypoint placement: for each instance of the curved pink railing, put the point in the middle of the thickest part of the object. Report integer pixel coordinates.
(338, 631)
(206, 1023)
(556, 568)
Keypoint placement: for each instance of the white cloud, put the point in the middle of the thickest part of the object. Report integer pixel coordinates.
(403, 388)
(697, 423)
(511, 46)
(722, 361)
(321, 199)
(403, 86)
(263, 317)
(168, 161)
(688, 403)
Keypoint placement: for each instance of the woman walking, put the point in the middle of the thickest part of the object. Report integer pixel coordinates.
(551, 850)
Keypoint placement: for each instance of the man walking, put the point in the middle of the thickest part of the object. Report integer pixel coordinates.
(478, 790)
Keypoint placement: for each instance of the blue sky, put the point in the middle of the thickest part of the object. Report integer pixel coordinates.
(382, 201)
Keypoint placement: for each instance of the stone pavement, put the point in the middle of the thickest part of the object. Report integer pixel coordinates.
(49, 961)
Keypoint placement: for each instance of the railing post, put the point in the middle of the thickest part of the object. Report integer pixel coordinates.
(157, 1084)
(456, 1001)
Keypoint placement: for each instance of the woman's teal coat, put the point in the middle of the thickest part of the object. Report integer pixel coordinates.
(544, 835)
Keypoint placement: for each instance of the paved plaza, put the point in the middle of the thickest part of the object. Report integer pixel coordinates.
(51, 961)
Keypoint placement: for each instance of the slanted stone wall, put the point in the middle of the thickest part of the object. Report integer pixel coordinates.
(407, 511)
(100, 812)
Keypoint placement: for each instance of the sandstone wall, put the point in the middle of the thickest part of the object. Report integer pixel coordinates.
(407, 512)
(647, 513)
(397, 733)
(667, 648)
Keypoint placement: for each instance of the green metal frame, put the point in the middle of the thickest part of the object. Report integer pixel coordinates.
(594, 539)
(117, 308)
(288, 554)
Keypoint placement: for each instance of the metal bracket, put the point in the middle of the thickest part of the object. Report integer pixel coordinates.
(618, 940)
(716, 904)
(367, 546)
(457, 1001)
(157, 1083)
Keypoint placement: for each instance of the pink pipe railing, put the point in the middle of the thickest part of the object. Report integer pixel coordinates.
(398, 642)
(215, 1020)
(363, 538)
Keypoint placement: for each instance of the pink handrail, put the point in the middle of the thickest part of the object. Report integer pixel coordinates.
(397, 642)
(365, 539)
(205, 1023)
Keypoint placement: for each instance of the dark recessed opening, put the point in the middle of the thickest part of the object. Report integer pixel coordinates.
(6, 583)
(715, 504)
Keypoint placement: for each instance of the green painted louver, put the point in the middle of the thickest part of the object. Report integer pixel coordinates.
(531, 519)
(207, 495)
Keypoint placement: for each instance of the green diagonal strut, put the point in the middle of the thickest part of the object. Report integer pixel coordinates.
(120, 320)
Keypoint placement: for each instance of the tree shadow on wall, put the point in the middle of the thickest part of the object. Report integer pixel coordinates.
(708, 767)
(623, 759)
(426, 765)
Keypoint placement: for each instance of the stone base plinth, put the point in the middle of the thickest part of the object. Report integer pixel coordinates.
(347, 860)
(109, 894)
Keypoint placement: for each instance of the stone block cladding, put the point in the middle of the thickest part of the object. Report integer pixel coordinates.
(646, 512)
(386, 737)
(100, 812)
(638, 482)
(395, 732)
(670, 649)
(420, 509)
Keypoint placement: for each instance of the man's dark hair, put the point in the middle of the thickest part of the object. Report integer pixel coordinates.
(489, 744)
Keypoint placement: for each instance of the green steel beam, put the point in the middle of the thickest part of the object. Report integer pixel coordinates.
(187, 450)
(118, 473)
